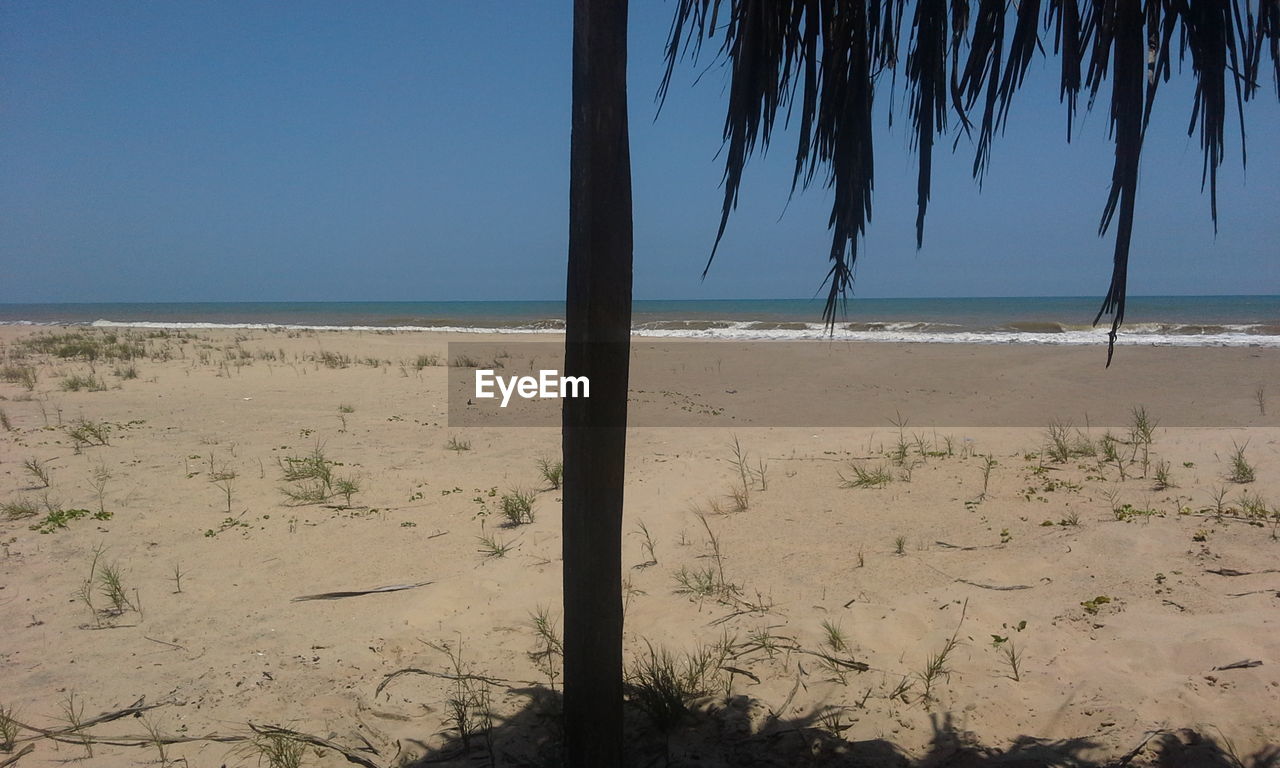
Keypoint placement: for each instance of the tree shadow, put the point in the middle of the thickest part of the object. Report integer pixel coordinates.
(742, 732)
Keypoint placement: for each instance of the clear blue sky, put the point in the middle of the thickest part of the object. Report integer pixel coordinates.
(183, 151)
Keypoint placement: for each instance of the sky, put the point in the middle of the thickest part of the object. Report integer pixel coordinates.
(399, 151)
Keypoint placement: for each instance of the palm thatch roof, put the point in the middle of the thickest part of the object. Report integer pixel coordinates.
(964, 62)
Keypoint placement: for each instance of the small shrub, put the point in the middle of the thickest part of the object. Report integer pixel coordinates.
(517, 507)
(77, 382)
(552, 472)
(663, 686)
(1241, 470)
(85, 433)
(38, 470)
(19, 508)
(866, 478)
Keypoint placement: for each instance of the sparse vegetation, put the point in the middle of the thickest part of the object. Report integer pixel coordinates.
(77, 382)
(548, 653)
(662, 685)
(650, 547)
(468, 710)
(492, 546)
(8, 729)
(1241, 471)
(279, 750)
(1066, 443)
(19, 508)
(38, 470)
(19, 374)
(517, 507)
(863, 477)
(85, 433)
(552, 472)
(458, 445)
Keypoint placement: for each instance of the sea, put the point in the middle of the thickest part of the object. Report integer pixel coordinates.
(1234, 321)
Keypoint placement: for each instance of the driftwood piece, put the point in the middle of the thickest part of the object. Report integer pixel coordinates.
(1242, 664)
(996, 587)
(315, 741)
(15, 758)
(359, 592)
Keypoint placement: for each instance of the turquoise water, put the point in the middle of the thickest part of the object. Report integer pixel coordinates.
(1200, 320)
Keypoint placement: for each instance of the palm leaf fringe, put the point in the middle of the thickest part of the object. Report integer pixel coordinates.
(824, 59)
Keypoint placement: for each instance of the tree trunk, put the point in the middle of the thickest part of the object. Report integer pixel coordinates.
(597, 345)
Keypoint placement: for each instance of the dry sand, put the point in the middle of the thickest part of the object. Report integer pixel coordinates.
(231, 648)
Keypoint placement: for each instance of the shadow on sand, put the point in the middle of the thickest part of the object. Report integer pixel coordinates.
(740, 732)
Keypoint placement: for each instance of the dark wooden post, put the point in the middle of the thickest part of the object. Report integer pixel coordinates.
(597, 329)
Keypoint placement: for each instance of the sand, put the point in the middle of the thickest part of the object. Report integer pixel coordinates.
(899, 570)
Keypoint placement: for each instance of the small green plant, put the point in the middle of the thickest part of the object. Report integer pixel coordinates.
(279, 750)
(863, 477)
(899, 545)
(492, 546)
(935, 667)
(1093, 605)
(1241, 470)
(73, 712)
(85, 433)
(224, 479)
(458, 445)
(468, 709)
(57, 517)
(311, 475)
(157, 740)
(548, 653)
(344, 408)
(19, 508)
(834, 637)
(988, 463)
(1252, 505)
(1163, 480)
(1125, 512)
(1013, 657)
(650, 547)
(38, 470)
(1142, 430)
(517, 507)
(552, 472)
(77, 382)
(8, 729)
(19, 374)
(426, 361)
(4, 421)
(1260, 397)
(126, 372)
(178, 573)
(662, 685)
(111, 586)
(101, 476)
(699, 582)
(346, 487)
(1219, 496)
(1066, 443)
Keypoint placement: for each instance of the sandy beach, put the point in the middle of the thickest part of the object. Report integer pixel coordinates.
(919, 582)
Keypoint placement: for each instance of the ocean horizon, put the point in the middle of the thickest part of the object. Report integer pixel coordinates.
(1168, 320)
